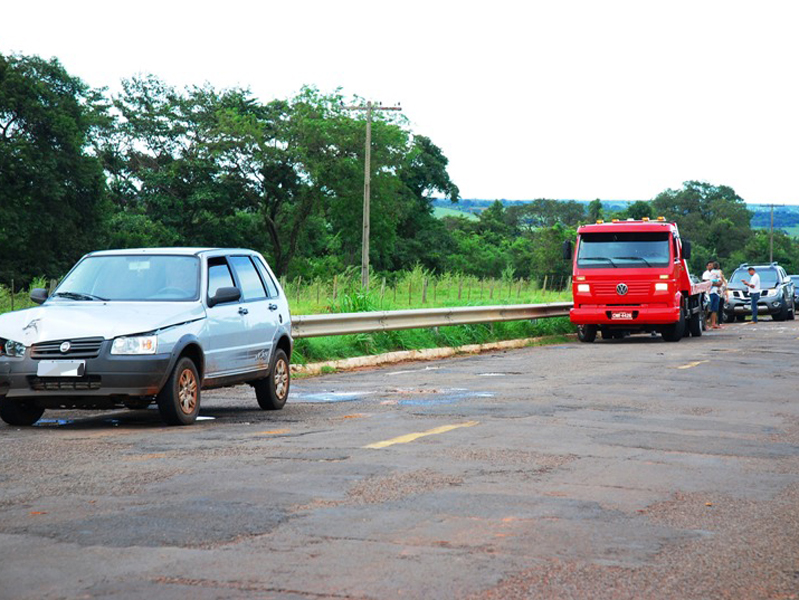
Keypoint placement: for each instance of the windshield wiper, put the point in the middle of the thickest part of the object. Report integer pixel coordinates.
(79, 296)
(610, 260)
(648, 264)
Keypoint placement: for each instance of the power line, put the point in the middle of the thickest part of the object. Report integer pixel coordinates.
(367, 180)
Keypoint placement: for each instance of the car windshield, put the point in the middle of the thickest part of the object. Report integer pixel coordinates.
(139, 278)
(623, 249)
(768, 278)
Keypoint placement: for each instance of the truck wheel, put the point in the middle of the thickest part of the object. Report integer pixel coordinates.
(273, 391)
(695, 325)
(179, 401)
(19, 412)
(675, 332)
(586, 333)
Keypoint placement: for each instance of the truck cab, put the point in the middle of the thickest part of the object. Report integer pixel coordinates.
(632, 276)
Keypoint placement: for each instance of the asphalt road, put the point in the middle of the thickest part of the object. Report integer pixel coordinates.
(627, 469)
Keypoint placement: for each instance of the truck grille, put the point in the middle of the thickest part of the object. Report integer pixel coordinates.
(606, 288)
(80, 348)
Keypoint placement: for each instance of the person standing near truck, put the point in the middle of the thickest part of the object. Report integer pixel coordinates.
(722, 293)
(714, 276)
(754, 290)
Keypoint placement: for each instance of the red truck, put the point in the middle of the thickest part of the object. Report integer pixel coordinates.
(632, 276)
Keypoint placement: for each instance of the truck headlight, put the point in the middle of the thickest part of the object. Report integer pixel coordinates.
(583, 288)
(12, 348)
(141, 344)
(661, 287)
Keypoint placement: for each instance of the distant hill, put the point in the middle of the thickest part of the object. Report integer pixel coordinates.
(785, 217)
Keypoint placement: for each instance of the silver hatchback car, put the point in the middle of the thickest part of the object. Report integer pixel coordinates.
(132, 327)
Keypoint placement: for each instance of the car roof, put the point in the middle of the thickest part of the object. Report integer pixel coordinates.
(179, 251)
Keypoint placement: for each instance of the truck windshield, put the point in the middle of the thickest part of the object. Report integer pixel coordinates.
(139, 278)
(608, 250)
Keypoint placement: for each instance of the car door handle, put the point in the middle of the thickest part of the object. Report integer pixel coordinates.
(243, 311)
(273, 307)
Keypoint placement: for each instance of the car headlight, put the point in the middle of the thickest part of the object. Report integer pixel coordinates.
(12, 348)
(141, 344)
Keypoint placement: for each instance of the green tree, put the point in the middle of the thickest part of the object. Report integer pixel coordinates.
(714, 217)
(595, 210)
(51, 185)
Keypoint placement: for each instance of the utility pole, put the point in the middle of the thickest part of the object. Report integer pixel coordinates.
(367, 181)
(771, 235)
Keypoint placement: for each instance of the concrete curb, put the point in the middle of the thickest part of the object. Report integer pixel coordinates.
(359, 362)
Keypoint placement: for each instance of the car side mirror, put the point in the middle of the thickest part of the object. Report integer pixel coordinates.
(223, 295)
(38, 295)
(686, 249)
(567, 250)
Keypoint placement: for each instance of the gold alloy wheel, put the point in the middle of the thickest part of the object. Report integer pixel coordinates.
(281, 378)
(187, 391)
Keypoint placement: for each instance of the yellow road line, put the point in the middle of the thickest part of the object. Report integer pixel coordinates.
(273, 432)
(404, 439)
(693, 364)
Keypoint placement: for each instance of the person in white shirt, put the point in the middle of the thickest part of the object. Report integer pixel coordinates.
(754, 290)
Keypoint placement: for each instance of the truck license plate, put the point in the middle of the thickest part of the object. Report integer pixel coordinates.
(61, 368)
(621, 316)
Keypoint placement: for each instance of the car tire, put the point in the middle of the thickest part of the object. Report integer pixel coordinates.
(179, 400)
(783, 314)
(19, 412)
(586, 333)
(273, 391)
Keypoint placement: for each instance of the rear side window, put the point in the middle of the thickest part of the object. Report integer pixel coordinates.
(271, 288)
(251, 286)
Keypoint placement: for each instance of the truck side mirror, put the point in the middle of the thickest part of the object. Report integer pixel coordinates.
(567, 250)
(686, 249)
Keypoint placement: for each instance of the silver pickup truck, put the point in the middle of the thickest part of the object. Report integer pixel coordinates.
(132, 327)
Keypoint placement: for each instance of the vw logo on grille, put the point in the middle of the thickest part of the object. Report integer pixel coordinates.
(64, 347)
(621, 289)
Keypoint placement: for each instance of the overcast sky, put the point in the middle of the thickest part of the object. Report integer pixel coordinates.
(557, 99)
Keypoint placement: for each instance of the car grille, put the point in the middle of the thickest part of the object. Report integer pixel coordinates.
(80, 348)
(49, 384)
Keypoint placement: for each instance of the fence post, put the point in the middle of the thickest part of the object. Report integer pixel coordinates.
(410, 290)
(383, 288)
(424, 291)
(544, 289)
(460, 287)
(491, 290)
(12, 294)
(335, 287)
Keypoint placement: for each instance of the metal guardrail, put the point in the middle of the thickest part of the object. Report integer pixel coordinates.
(305, 326)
